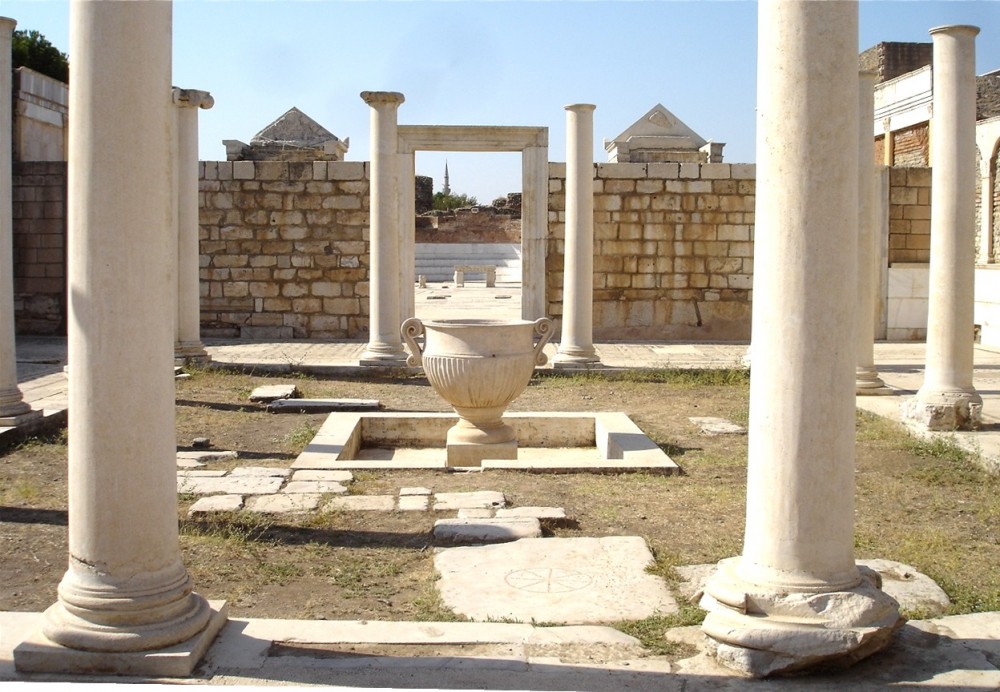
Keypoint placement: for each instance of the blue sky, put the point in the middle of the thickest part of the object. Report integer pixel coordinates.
(489, 63)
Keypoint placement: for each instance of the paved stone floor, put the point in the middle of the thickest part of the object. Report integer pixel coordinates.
(959, 652)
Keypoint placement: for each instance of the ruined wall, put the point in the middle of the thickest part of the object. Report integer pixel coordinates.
(909, 215)
(911, 147)
(39, 215)
(476, 224)
(673, 249)
(284, 249)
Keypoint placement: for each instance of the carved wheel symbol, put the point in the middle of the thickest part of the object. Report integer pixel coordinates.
(548, 580)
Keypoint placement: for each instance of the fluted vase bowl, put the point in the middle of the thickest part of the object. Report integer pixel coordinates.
(478, 367)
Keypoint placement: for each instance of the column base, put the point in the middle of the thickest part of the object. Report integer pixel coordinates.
(38, 654)
(20, 419)
(761, 632)
(383, 355)
(868, 383)
(571, 357)
(191, 353)
(944, 410)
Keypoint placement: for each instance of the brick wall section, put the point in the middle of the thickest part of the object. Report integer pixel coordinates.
(284, 249)
(910, 147)
(909, 215)
(39, 243)
(673, 249)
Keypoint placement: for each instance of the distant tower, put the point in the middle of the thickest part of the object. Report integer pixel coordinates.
(447, 187)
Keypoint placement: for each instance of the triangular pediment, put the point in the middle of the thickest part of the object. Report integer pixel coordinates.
(293, 128)
(659, 122)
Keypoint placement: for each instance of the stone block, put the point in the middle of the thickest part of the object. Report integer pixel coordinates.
(315, 486)
(346, 170)
(300, 503)
(712, 171)
(216, 503)
(413, 503)
(242, 170)
(663, 170)
(230, 485)
(621, 170)
(482, 499)
(482, 531)
(335, 476)
(260, 472)
(362, 503)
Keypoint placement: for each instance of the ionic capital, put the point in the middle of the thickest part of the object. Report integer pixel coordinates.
(192, 98)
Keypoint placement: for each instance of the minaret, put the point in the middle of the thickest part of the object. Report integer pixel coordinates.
(447, 187)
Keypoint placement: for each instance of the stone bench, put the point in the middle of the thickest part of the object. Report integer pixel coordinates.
(490, 270)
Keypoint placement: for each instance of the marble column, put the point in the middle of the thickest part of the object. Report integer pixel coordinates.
(534, 230)
(795, 597)
(576, 346)
(385, 345)
(866, 381)
(13, 409)
(948, 400)
(188, 348)
(407, 234)
(126, 596)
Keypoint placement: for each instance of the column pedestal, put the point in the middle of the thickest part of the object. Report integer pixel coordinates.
(126, 603)
(385, 345)
(576, 344)
(795, 598)
(948, 400)
(188, 348)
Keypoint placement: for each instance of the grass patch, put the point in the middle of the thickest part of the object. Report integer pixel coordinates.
(729, 377)
(650, 631)
(300, 437)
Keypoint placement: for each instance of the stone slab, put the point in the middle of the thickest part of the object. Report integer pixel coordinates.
(314, 487)
(205, 456)
(717, 426)
(413, 503)
(37, 654)
(261, 471)
(479, 499)
(555, 514)
(273, 392)
(475, 513)
(296, 503)
(560, 580)
(463, 454)
(322, 405)
(363, 503)
(201, 473)
(414, 491)
(323, 475)
(230, 485)
(487, 530)
(216, 503)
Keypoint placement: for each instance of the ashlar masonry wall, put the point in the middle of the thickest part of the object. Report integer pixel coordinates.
(284, 249)
(673, 250)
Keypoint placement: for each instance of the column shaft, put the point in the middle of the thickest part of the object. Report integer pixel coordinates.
(188, 347)
(534, 230)
(385, 345)
(947, 400)
(13, 408)
(125, 589)
(576, 346)
(867, 381)
(798, 545)
(407, 235)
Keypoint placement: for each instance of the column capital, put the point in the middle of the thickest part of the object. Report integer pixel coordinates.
(7, 25)
(382, 98)
(581, 107)
(954, 29)
(192, 98)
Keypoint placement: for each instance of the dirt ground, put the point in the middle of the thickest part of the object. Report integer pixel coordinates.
(918, 503)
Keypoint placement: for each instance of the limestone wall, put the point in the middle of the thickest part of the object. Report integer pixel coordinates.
(284, 249)
(909, 215)
(673, 249)
(39, 215)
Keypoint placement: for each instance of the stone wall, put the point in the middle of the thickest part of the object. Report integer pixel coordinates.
(673, 250)
(284, 249)
(911, 147)
(40, 119)
(39, 243)
(909, 215)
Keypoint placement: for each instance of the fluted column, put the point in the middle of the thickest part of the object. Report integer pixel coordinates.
(795, 597)
(867, 381)
(948, 400)
(13, 409)
(576, 346)
(126, 594)
(188, 347)
(385, 345)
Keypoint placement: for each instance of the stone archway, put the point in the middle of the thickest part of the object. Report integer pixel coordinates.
(533, 143)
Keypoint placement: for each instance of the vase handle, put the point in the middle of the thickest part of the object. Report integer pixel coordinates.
(543, 328)
(410, 330)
